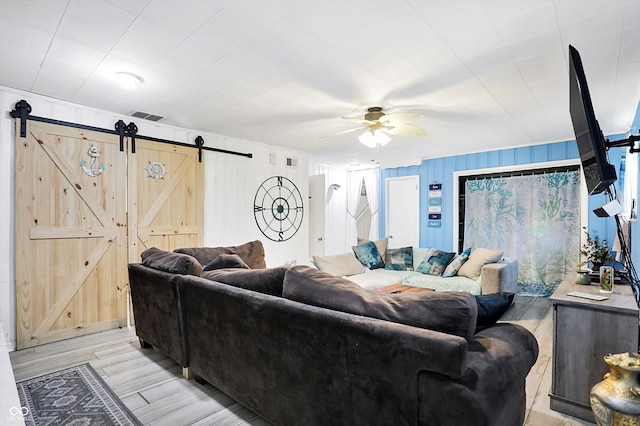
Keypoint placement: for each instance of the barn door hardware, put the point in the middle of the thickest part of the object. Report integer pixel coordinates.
(22, 111)
(121, 128)
(199, 143)
(132, 130)
(129, 130)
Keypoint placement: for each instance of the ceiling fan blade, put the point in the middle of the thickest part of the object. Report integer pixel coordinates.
(403, 129)
(344, 131)
(358, 120)
(401, 117)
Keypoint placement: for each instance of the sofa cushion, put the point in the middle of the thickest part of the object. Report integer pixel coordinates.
(454, 266)
(252, 253)
(491, 307)
(436, 263)
(174, 263)
(381, 245)
(267, 281)
(368, 255)
(339, 265)
(448, 312)
(477, 259)
(225, 261)
(399, 259)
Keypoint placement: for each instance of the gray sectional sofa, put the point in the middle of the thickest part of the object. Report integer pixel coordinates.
(300, 346)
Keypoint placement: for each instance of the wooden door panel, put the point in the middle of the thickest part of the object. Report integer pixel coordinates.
(166, 191)
(70, 234)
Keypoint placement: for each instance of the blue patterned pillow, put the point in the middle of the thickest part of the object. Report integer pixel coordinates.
(453, 267)
(400, 259)
(368, 255)
(436, 263)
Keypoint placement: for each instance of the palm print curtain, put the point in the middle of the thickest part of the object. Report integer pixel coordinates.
(534, 218)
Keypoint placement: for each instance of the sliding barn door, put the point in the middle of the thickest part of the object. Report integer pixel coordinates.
(71, 233)
(84, 209)
(166, 191)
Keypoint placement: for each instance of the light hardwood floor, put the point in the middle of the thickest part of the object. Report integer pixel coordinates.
(152, 386)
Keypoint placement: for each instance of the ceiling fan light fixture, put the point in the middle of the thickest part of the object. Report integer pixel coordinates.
(128, 80)
(373, 138)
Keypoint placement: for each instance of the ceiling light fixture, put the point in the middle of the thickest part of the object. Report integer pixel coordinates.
(372, 138)
(128, 80)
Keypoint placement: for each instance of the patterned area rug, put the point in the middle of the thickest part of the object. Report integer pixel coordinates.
(74, 396)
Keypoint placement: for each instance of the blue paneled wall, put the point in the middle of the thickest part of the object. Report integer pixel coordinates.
(635, 227)
(442, 170)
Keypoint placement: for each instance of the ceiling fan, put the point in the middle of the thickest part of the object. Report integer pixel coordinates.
(377, 125)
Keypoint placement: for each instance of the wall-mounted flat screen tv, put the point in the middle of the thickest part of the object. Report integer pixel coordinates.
(598, 173)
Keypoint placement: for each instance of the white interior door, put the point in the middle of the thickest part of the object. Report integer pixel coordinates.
(403, 211)
(317, 212)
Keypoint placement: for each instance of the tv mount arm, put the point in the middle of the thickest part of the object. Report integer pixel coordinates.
(630, 142)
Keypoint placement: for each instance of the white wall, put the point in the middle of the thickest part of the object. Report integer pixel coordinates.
(230, 186)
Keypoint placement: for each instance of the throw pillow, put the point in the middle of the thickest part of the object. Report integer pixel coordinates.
(267, 281)
(444, 311)
(436, 263)
(400, 259)
(251, 253)
(477, 259)
(174, 263)
(368, 255)
(381, 245)
(226, 261)
(420, 254)
(454, 266)
(340, 265)
(491, 307)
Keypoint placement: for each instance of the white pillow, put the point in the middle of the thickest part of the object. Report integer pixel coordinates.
(477, 259)
(340, 265)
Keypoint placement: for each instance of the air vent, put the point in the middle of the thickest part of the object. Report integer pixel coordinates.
(292, 162)
(147, 116)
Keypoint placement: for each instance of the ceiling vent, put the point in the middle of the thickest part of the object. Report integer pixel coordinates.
(147, 116)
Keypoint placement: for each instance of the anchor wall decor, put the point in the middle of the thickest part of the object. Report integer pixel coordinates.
(93, 170)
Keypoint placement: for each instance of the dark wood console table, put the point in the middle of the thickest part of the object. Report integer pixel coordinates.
(584, 331)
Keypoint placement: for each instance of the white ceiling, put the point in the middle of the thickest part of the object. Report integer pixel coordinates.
(485, 74)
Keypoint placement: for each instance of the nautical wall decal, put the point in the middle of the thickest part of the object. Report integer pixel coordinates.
(93, 170)
(155, 170)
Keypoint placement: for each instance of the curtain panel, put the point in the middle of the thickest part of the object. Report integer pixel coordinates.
(534, 218)
(354, 186)
(371, 182)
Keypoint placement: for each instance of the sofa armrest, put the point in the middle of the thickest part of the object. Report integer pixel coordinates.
(157, 310)
(500, 276)
(492, 392)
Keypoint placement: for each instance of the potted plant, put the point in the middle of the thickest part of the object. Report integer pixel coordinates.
(597, 253)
